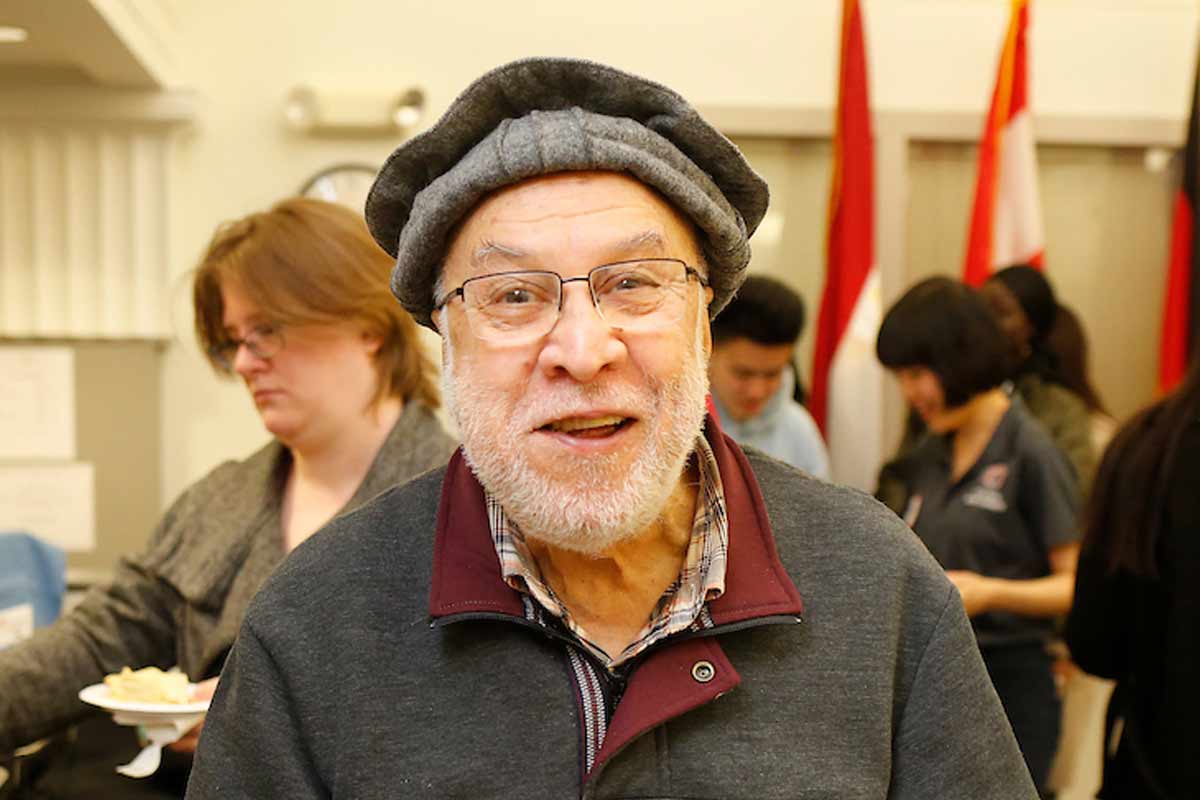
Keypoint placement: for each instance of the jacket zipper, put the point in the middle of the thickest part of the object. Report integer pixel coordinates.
(628, 668)
(728, 627)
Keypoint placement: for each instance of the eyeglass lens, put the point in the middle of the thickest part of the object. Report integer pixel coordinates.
(640, 295)
(262, 342)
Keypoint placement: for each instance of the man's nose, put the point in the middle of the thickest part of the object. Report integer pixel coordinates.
(581, 344)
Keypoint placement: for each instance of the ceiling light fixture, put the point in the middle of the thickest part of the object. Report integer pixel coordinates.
(10, 34)
(321, 111)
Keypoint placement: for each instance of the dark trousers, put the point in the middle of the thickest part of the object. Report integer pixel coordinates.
(1023, 679)
(83, 765)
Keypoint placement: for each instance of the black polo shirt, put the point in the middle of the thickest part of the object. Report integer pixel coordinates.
(1001, 519)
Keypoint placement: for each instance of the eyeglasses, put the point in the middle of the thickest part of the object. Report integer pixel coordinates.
(264, 341)
(646, 294)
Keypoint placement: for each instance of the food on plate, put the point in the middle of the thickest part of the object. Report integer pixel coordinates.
(149, 685)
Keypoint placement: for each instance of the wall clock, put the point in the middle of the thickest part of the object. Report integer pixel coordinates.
(347, 184)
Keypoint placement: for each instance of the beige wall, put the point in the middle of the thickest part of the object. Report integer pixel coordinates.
(790, 243)
(118, 426)
(1092, 57)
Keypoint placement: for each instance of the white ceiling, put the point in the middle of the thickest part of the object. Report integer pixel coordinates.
(111, 43)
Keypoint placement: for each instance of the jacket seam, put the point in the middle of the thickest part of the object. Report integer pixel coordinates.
(288, 688)
(950, 593)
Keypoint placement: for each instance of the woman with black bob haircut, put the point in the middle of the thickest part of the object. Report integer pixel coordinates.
(958, 342)
(990, 496)
(1136, 617)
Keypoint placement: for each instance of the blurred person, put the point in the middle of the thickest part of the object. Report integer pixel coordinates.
(1069, 344)
(1024, 303)
(1076, 771)
(990, 496)
(293, 302)
(600, 595)
(1136, 616)
(751, 377)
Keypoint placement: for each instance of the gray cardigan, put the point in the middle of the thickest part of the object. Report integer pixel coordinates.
(182, 599)
(340, 686)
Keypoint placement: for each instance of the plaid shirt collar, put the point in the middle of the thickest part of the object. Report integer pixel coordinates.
(683, 604)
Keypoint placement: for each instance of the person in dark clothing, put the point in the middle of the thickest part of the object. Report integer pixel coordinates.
(1084, 696)
(990, 496)
(1024, 304)
(1136, 617)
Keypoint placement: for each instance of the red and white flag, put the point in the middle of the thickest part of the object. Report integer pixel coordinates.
(1181, 305)
(1006, 221)
(847, 396)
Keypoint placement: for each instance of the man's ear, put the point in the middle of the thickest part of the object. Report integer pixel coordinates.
(443, 332)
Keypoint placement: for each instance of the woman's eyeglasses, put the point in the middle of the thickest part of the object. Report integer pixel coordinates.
(263, 341)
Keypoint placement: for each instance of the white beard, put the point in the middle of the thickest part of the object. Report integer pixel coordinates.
(586, 504)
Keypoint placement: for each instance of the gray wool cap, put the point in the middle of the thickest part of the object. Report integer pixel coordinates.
(540, 116)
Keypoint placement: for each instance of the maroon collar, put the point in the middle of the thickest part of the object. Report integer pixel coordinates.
(466, 570)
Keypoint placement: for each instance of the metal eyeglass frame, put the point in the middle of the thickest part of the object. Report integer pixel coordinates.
(689, 271)
(263, 341)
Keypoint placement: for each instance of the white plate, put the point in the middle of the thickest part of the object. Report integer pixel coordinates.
(100, 695)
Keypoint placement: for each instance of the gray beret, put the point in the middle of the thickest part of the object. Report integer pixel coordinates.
(539, 116)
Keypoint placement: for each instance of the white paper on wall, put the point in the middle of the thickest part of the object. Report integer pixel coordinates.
(37, 403)
(54, 502)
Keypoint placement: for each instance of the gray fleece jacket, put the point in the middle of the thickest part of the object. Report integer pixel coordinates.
(181, 600)
(387, 658)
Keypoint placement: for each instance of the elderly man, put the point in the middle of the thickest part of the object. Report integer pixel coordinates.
(600, 595)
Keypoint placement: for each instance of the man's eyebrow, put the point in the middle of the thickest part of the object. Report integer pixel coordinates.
(645, 241)
(650, 240)
(490, 248)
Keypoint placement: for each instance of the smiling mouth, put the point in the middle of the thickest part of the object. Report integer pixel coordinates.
(589, 428)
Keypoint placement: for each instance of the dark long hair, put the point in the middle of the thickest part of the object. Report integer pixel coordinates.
(1069, 344)
(1124, 513)
(1037, 299)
